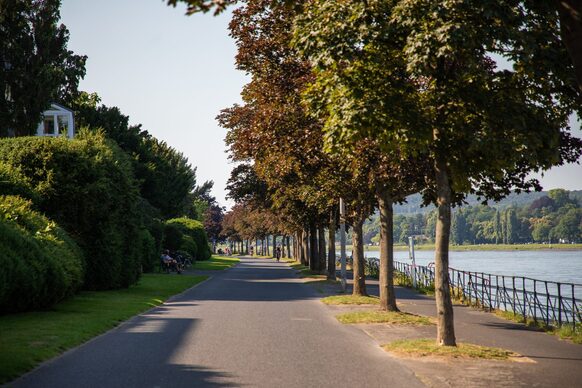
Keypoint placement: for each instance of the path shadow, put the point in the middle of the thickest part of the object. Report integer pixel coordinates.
(136, 354)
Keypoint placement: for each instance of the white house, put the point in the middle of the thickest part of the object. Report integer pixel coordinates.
(57, 120)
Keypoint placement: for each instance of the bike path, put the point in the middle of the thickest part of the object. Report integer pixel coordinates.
(255, 324)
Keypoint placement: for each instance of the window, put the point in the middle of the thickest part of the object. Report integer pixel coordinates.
(49, 125)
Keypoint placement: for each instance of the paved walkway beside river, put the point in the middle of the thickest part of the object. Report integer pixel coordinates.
(255, 325)
(547, 360)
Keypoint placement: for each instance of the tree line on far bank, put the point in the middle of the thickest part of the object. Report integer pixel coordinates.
(92, 212)
(552, 218)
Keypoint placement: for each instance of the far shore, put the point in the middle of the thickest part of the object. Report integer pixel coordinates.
(483, 247)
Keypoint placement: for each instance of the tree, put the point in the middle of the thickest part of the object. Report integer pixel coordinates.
(36, 68)
(475, 120)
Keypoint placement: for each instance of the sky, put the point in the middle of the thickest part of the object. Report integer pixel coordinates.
(174, 73)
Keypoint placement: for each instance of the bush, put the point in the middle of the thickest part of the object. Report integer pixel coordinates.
(189, 245)
(149, 252)
(191, 230)
(39, 263)
(13, 182)
(87, 186)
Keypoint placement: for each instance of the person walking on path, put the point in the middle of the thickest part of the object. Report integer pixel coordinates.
(278, 253)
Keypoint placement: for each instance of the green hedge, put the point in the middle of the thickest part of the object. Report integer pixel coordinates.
(188, 235)
(87, 186)
(39, 263)
(13, 182)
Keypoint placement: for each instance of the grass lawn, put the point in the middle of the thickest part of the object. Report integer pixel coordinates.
(27, 339)
(428, 347)
(351, 299)
(216, 263)
(377, 316)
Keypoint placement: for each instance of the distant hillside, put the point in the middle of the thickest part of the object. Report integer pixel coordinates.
(413, 202)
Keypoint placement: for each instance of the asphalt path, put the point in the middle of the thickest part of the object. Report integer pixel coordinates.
(254, 325)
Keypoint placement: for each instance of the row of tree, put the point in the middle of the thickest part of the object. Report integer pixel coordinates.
(373, 101)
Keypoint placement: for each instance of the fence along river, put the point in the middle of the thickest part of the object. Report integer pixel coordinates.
(543, 285)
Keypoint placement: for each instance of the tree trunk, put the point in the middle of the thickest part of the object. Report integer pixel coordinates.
(358, 259)
(322, 255)
(313, 248)
(305, 247)
(267, 246)
(387, 295)
(288, 238)
(571, 24)
(331, 246)
(274, 245)
(445, 321)
(247, 248)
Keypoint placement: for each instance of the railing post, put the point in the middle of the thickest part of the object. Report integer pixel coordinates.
(535, 316)
(559, 304)
(573, 310)
(513, 300)
(524, 299)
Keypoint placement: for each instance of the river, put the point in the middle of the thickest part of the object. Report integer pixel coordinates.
(556, 266)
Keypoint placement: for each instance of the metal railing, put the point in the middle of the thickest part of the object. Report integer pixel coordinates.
(547, 302)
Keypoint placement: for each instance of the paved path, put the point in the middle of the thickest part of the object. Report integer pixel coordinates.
(253, 325)
(548, 361)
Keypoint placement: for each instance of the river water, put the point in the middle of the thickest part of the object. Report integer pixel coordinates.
(556, 266)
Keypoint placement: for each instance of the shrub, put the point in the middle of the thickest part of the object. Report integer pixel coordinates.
(87, 186)
(39, 263)
(195, 231)
(13, 182)
(189, 245)
(149, 252)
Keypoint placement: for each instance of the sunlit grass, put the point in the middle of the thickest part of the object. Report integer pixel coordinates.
(565, 331)
(350, 299)
(216, 263)
(390, 317)
(27, 339)
(428, 347)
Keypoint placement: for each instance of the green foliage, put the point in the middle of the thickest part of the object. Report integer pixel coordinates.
(87, 186)
(166, 179)
(187, 234)
(36, 67)
(149, 251)
(12, 182)
(31, 338)
(539, 221)
(39, 263)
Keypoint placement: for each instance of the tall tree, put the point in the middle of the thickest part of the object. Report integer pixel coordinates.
(36, 68)
(476, 121)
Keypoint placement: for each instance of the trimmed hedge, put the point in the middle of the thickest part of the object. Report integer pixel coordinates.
(13, 182)
(188, 235)
(39, 263)
(87, 186)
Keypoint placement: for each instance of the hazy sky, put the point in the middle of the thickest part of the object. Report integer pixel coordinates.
(174, 73)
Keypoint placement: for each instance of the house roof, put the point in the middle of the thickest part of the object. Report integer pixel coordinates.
(56, 106)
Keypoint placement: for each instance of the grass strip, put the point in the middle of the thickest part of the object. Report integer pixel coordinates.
(391, 317)
(27, 339)
(350, 299)
(216, 263)
(305, 272)
(565, 331)
(428, 347)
